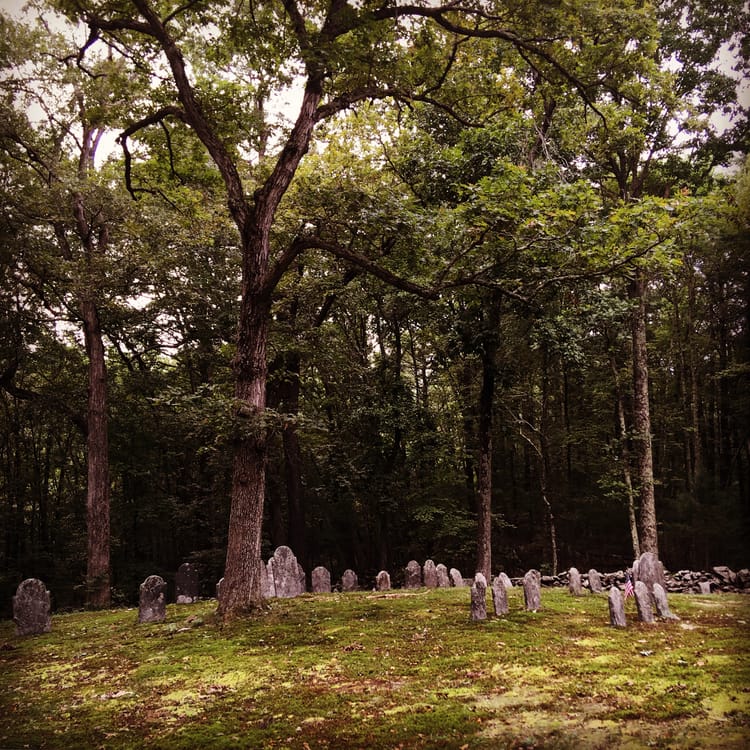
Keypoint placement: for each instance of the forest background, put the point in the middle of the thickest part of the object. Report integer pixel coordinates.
(489, 263)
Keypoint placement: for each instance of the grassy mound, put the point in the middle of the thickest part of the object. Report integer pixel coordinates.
(384, 670)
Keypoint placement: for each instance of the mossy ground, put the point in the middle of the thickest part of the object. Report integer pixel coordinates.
(396, 670)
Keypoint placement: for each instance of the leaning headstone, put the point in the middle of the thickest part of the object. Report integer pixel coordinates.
(349, 581)
(595, 582)
(574, 582)
(152, 602)
(456, 578)
(286, 574)
(616, 608)
(499, 596)
(506, 581)
(429, 575)
(643, 602)
(413, 578)
(187, 583)
(648, 568)
(444, 582)
(704, 587)
(32, 608)
(479, 598)
(661, 604)
(321, 580)
(383, 581)
(531, 592)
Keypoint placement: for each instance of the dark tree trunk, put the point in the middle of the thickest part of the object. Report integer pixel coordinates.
(97, 444)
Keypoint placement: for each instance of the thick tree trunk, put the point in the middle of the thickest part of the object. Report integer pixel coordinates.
(642, 419)
(97, 443)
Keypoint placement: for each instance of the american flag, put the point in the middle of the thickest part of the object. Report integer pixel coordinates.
(629, 591)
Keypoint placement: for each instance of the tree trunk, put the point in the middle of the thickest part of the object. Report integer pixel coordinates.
(625, 459)
(97, 444)
(484, 469)
(241, 590)
(642, 418)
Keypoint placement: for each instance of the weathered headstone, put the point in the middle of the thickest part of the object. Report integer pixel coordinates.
(574, 582)
(429, 575)
(648, 568)
(383, 581)
(661, 604)
(531, 592)
(187, 583)
(595, 582)
(349, 581)
(32, 608)
(506, 581)
(413, 579)
(479, 597)
(643, 602)
(267, 579)
(499, 596)
(456, 578)
(704, 587)
(288, 575)
(616, 608)
(321, 580)
(218, 587)
(152, 602)
(444, 582)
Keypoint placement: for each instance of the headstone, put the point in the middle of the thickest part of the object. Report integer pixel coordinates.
(32, 608)
(704, 587)
(444, 582)
(218, 587)
(506, 581)
(661, 604)
(152, 602)
(616, 608)
(574, 582)
(429, 575)
(286, 574)
(499, 596)
(413, 578)
(531, 592)
(643, 602)
(383, 581)
(456, 578)
(648, 568)
(349, 581)
(479, 598)
(267, 579)
(321, 580)
(595, 582)
(187, 583)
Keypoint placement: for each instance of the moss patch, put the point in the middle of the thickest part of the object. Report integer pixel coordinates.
(369, 670)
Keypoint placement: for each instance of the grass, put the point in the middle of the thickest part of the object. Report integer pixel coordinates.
(373, 670)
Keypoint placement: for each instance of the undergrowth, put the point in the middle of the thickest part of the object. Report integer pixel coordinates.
(383, 670)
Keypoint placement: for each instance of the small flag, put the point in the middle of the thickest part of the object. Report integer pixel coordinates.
(629, 591)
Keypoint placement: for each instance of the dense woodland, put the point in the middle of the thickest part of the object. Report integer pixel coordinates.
(377, 281)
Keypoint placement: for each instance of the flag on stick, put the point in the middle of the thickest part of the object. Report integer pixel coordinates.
(629, 591)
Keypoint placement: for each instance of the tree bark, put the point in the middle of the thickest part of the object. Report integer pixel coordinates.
(642, 418)
(97, 444)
